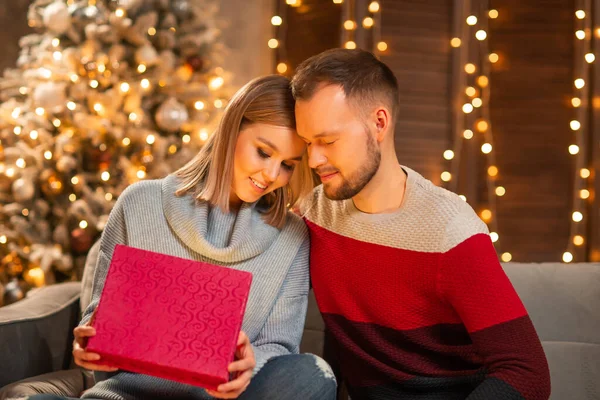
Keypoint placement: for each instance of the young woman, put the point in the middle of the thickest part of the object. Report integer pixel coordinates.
(229, 206)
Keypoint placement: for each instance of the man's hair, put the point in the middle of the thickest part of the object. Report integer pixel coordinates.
(366, 80)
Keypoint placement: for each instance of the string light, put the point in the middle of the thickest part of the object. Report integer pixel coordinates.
(374, 7)
(349, 25)
(39, 111)
(276, 20)
(203, 135)
(580, 34)
(71, 105)
(105, 176)
(575, 125)
(590, 58)
(150, 139)
(218, 103)
(21, 163)
(350, 44)
(282, 68)
(199, 105)
(382, 46)
(478, 102)
(573, 149)
(141, 68)
(273, 43)
(120, 12)
(55, 42)
(216, 83)
(567, 257)
(584, 173)
(17, 130)
(56, 122)
(576, 102)
(83, 224)
(448, 154)
(33, 135)
(48, 155)
(145, 83)
(151, 31)
(186, 139)
(94, 84)
(584, 194)
(580, 14)
(72, 197)
(108, 196)
(579, 83)
(471, 20)
(126, 141)
(368, 22)
(446, 176)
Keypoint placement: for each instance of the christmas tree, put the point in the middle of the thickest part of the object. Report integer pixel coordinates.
(105, 93)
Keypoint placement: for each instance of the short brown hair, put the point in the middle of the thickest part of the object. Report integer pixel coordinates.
(363, 77)
(265, 100)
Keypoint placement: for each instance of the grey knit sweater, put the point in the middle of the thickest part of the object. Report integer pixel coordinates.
(148, 215)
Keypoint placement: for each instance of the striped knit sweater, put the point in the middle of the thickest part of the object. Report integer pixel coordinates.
(149, 216)
(417, 302)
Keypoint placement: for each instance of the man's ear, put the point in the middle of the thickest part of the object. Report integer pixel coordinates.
(382, 122)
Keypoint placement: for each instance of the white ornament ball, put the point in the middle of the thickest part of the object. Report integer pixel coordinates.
(56, 17)
(171, 115)
(23, 190)
(50, 96)
(146, 55)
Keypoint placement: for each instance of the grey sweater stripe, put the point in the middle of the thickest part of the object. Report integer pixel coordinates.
(149, 216)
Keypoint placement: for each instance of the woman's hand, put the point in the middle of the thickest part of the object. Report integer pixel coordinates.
(82, 357)
(242, 367)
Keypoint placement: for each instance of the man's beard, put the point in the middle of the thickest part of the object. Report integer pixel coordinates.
(351, 186)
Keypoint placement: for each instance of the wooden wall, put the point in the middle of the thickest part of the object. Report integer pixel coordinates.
(531, 88)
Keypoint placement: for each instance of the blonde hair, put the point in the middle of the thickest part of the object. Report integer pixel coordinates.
(209, 175)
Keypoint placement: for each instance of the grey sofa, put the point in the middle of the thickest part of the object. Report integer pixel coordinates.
(563, 301)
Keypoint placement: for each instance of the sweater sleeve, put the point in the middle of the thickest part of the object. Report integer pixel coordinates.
(282, 332)
(472, 280)
(114, 233)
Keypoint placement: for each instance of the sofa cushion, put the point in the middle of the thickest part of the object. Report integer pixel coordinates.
(36, 332)
(562, 299)
(574, 370)
(70, 383)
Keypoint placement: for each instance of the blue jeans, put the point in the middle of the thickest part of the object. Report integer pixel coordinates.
(290, 377)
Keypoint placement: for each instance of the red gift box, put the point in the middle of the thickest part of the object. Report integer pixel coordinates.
(169, 317)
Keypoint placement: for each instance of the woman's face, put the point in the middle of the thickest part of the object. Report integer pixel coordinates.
(264, 160)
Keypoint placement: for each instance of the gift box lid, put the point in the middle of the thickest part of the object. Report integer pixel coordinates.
(169, 317)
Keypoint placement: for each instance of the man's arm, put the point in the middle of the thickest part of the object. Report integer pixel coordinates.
(472, 280)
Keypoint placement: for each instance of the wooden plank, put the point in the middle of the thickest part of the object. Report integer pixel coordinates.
(593, 235)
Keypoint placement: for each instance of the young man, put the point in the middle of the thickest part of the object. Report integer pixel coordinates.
(404, 272)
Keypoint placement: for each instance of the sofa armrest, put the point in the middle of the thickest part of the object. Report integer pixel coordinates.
(36, 332)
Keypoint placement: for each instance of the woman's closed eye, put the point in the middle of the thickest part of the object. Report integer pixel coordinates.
(262, 154)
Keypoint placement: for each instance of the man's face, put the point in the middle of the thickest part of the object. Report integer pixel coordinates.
(341, 146)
